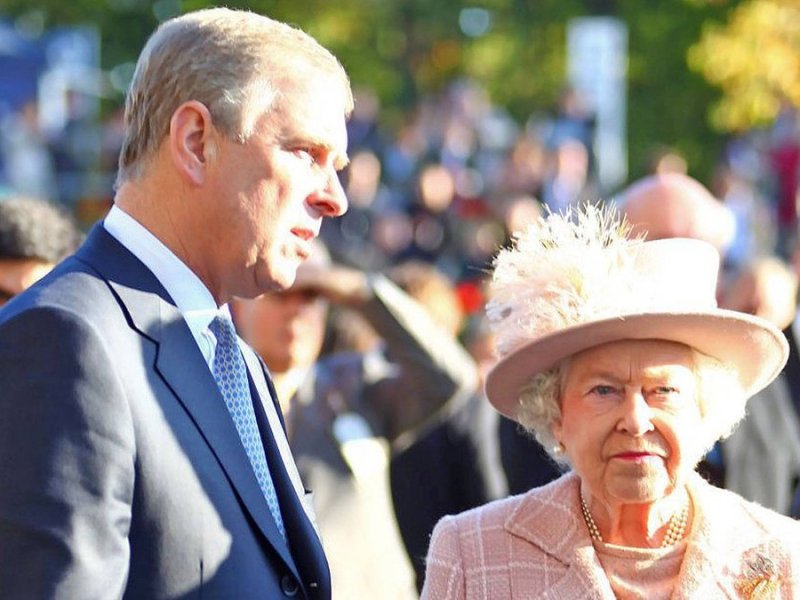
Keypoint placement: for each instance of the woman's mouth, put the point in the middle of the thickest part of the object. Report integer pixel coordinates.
(636, 456)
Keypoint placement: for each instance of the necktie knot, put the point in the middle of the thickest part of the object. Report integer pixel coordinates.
(223, 330)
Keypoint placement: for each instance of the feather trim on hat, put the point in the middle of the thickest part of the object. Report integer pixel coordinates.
(563, 270)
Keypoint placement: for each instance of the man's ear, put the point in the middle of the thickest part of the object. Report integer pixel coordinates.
(192, 140)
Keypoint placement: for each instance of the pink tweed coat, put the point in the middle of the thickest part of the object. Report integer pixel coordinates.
(537, 546)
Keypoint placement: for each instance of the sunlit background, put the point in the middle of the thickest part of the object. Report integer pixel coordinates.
(510, 98)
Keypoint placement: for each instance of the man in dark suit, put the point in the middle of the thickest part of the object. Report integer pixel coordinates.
(142, 452)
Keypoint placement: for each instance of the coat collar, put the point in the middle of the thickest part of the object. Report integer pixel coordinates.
(180, 364)
(550, 518)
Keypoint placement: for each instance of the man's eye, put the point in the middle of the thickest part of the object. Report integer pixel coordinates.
(306, 153)
(311, 154)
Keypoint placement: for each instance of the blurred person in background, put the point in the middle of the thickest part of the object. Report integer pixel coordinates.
(344, 410)
(35, 235)
(433, 220)
(142, 450)
(755, 223)
(455, 458)
(572, 121)
(792, 370)
(675, 205)
(664, 159)
(792, 333)
(668, 205)
(567, 183)
(761, 459)
(525, 463)
(525, 167)
(76, 147)
(28, 166)
(783, 154)
(518, 212)
(351, 239)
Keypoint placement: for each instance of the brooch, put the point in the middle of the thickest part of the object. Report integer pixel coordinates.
(759, 579)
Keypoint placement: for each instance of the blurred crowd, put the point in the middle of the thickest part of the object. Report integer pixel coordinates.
(448, 185)
(429, 204)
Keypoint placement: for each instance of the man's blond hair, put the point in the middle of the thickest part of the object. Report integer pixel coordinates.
(234, 62)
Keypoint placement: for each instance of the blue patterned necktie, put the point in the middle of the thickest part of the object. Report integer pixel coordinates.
(231, 376)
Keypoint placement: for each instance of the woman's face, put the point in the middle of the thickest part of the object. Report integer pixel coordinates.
(630, 420)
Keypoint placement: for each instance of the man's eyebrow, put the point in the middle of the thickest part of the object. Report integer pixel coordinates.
(339, 163)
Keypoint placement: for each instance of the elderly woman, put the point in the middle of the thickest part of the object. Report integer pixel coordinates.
(614, 354)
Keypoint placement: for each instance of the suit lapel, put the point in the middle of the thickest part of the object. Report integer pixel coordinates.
(306, 547)
(182, 367)
(197, 391)
(264, 391)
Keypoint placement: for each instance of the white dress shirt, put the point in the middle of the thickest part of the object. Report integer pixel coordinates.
(191, 296)
(198, 308)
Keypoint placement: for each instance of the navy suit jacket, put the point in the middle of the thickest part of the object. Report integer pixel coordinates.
(121, 471)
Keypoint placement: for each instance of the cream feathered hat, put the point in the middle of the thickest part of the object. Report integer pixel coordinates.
(574, 281)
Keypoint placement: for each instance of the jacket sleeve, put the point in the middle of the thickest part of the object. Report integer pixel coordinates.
(444, 571)
(66, 461)
(421, 368)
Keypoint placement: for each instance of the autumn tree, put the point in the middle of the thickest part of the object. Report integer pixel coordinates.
(755, 59)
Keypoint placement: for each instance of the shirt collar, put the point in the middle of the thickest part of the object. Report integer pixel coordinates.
(191, 296)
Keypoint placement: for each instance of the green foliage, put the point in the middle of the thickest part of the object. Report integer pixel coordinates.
(755, 59)
(406, 48)
(669, 104)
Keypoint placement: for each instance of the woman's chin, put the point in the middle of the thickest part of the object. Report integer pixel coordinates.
(640, 490)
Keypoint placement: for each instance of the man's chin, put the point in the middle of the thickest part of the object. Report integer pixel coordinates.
(277, 280)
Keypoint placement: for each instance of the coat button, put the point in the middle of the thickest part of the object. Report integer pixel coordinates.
(289, 586)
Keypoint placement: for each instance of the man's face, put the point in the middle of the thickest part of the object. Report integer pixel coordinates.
(18, 274)
(269, 195)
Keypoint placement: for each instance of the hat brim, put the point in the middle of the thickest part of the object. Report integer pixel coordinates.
(755, 348)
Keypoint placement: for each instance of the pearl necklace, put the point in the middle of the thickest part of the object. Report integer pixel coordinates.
(675, 531)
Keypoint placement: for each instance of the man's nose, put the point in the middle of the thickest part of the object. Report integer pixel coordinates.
(330, 200)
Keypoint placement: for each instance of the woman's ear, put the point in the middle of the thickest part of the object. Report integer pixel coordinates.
(556, 429)
(192, 140)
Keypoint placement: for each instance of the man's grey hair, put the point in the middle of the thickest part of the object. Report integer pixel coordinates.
(234, 62)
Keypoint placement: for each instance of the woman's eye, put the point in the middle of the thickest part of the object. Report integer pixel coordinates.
(603, 390)
(666, 390)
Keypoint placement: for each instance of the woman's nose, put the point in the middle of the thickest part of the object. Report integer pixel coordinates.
(637, 416)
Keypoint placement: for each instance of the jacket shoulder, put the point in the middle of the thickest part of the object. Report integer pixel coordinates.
(743, 515)
(72, 286)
